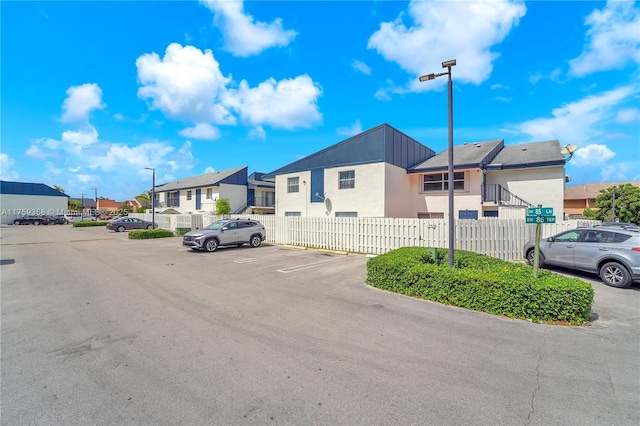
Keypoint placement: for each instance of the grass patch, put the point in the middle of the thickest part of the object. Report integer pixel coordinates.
(86, 223)
(145, 234)
(482, 283)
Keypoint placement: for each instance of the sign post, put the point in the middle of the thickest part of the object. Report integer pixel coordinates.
(539, 215)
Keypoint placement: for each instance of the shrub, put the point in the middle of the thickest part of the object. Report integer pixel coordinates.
(144, 234)
(181, 231)
(482, 283)
(85, 223)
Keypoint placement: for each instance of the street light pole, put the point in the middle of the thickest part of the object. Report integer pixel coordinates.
(95, 191)
(153, 198)
(452, 229)
(613, 205)
(82, 206)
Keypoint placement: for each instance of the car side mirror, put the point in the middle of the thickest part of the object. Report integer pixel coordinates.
(224, 228)
(550, 239)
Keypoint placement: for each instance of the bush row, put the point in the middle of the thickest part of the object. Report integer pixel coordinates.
(482, 283)
(85, 223)
(144, 234)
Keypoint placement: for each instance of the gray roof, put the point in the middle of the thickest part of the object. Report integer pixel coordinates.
(465, 156)
(493, 155)
(237, 176)
(534, 154)
(382, 143)
(86, 201)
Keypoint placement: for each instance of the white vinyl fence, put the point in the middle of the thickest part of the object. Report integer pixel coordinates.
(501, 238)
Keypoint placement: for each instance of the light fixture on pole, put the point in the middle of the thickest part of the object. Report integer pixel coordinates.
(432, 76)
(153, 198)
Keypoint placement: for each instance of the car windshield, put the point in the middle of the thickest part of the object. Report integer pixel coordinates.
(216, 225)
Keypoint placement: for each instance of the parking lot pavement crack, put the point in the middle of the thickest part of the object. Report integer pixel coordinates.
(533, 394)
(613, 386)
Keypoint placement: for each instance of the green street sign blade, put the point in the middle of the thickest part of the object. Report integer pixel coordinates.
(540, 211)
(540, 219)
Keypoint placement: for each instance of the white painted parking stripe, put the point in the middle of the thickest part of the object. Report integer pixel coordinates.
(306, 266)
(257, 259)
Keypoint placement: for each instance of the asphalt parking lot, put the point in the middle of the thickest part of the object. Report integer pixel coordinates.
(100, 329)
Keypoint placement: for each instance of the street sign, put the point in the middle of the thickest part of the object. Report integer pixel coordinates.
(540, 211)
(540, 219)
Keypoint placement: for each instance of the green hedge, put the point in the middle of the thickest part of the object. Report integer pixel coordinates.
(85, 223)
(482, 283)
(181, 231)
(144, 234)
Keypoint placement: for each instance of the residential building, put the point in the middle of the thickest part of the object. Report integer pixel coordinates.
(87, 205)
(578, 198)
(19, 199)
(199, 194)
(104, 205)
(382, 172)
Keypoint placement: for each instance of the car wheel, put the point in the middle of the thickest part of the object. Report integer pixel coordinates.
(149, 227)
(120, 229)
(16, 222)
(211, 245)
(615, 275)
(255, 241)
(37, 222)
(530, 258)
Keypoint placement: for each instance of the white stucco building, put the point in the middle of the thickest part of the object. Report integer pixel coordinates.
(384, 173)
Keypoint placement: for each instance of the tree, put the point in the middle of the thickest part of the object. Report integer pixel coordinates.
(144, 199)
(74, 205)
(126, 207)
(141, 210)
(58, 188)
(223, 206)
(627, 204)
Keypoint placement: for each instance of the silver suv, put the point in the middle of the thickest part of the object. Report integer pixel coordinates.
(611, 251)
(232, 232)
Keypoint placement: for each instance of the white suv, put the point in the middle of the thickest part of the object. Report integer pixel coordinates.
(232, 232)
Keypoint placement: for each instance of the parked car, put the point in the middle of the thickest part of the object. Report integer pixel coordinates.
(32, 220)
(611, 252)
(128, 223)
(58, 219)
(232, 232)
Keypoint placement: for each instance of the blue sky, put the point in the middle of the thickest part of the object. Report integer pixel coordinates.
(94, 92)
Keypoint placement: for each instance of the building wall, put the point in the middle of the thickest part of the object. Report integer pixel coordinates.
(367, 199)
(540, 185)
(237, 195)
(14, 206)
(398, 200)
(437, 203)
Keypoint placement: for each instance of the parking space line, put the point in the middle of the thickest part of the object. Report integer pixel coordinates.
(306, 266)
(256, 259)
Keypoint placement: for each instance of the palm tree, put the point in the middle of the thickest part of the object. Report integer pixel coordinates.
(58, 188)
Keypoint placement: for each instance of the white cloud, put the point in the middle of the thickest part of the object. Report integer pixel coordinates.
(579, 122)
(120, 155)
(74, 169)
(209, 170)
(118, 117)
(612, 40)
(257, 133)
(592, 155)
(498, 86)
(443, 30)
(382, 95)
(361, 67)
(83, 137)
(201, 131)
(5, 168)
(186, 83)
(285, 104)
(503, 99)
(628, 115)
(243, 36)
(354, 129)
(80, 102)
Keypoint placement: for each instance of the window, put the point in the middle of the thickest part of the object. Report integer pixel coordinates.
(347, 180)
(568, 237)
(188, 195)
(293, 184)
(439, 182)
(346, 214)
(295, 214)
(209, 193)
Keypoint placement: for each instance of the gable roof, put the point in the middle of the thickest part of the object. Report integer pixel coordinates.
(27, 188)
(237, 176)
(85, 202)
(534, 154)
(494, 155)
(466, 156)
(382, 143)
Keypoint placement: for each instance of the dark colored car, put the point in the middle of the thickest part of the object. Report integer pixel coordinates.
(611, 251)
(32, 220)
(232, 232)
(128, 223)
(58, 219)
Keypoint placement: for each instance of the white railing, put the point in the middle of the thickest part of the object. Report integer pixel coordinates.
(501, 238)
